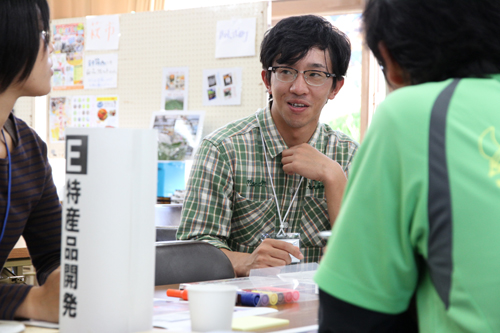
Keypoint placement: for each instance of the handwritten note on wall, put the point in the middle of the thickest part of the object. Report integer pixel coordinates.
(101, 71)
(235, 38)
(103, 32)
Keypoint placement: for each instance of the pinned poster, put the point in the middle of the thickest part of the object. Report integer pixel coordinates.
(235, 38)
(59, 113)
(179, 133)
(101, 71)
(81, 111)
(67, 58)
(222, 86)
(105, 111)
(103, 32)
(106, 170)
(174, 88)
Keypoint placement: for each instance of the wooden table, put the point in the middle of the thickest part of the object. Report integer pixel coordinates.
(299, 314)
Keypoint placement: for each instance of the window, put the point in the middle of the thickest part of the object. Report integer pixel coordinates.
(343, 112)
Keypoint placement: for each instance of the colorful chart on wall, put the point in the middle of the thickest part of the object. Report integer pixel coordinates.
(67, 58)
(81, 111)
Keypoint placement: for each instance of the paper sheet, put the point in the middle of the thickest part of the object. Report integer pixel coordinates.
(235, 38)
(174, 315)
(103, 32)
(101, 71)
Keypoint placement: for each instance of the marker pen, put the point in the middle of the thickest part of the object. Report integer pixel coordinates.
(246, 298)
(291, 295)
(273, 297)
(264, 298)
(178, 293)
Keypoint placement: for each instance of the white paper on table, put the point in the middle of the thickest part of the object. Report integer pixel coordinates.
(39, 323)
(103, 32)
(303, 329)
(10, 326)
(181, 320)
(100, 71)
(235, 38)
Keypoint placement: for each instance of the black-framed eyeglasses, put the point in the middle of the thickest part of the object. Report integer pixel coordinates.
(312, 77)
(45, 36)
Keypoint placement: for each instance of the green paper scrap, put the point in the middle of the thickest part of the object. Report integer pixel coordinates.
(252, 323)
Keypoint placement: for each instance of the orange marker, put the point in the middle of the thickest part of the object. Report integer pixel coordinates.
(178, 293)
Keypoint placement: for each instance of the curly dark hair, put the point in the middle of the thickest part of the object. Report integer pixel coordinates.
(291, 39)
(433, 40)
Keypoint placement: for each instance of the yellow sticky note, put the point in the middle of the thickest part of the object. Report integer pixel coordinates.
(253, 323)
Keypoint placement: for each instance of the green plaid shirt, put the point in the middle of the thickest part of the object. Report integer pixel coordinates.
(229, 201)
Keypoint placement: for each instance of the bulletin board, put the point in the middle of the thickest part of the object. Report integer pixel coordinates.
(151, 41)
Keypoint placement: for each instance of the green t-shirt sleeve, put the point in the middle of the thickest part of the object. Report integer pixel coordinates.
(370, 261)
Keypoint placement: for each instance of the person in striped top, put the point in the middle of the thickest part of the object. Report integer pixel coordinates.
(29, 205)
(278, 169)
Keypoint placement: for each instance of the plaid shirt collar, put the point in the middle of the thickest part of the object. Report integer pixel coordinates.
(274, 141)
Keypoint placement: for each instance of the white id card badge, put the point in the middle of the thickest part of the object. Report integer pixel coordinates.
(292, 238)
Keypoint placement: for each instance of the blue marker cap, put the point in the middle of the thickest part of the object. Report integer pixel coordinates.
(248, 299)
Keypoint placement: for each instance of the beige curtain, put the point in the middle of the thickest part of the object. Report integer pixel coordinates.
(79, 8)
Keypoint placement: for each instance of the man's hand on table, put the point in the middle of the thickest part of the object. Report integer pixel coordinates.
(270, 253)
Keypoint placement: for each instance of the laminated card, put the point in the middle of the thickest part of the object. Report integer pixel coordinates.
(108, 230)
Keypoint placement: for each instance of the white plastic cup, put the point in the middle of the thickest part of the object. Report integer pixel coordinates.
(211, 307)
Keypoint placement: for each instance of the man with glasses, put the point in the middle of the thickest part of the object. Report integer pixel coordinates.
(278, 174)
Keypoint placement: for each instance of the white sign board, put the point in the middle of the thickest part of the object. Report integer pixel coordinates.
(108, 230)
(235, 38)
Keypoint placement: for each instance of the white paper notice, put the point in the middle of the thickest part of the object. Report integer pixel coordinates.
(103, 32)
(235, 38)
(100, 71)
(222, 86)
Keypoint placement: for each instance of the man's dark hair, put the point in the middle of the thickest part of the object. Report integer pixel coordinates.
(291, 39)
(21, 22)
(433, 40)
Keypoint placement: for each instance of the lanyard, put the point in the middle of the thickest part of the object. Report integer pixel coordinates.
(283, 224)
(8, 188)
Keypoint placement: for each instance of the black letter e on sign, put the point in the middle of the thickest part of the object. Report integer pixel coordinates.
(76, 154)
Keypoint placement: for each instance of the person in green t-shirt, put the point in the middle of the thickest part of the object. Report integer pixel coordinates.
(420, 215)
